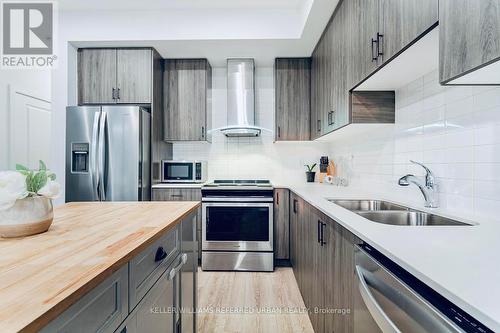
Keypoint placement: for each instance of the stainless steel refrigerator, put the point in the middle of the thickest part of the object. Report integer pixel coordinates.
(107, 153)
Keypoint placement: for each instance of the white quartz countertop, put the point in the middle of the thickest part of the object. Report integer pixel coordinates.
(459, 262)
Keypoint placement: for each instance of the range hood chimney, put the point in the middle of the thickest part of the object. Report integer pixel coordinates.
(240, 99)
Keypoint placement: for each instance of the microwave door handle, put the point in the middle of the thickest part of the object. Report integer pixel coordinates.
(376, 311)
(102, 155)
(94, 168)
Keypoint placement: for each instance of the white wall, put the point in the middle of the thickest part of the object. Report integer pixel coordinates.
(241, 158)
(453, 130)
(35, 82)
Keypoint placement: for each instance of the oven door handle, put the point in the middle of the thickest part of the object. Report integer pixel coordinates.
(237, 199)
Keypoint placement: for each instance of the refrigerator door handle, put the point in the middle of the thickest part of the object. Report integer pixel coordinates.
(102, 155)
(94, 167)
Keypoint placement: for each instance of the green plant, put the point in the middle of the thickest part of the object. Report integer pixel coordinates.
(310, 168)
(35, 179)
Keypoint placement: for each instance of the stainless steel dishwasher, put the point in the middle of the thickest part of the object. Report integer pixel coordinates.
(390, 300)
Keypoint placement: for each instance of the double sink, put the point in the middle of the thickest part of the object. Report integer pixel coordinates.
(393, 214)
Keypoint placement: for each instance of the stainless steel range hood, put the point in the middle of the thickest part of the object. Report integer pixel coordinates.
(240, 99)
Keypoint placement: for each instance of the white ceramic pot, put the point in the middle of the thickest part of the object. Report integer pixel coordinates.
(28, 216)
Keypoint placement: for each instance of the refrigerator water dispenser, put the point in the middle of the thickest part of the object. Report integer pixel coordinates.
(79, 157)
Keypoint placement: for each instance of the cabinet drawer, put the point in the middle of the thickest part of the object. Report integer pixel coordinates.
(147, 267)
(177, 194)
(101, 310)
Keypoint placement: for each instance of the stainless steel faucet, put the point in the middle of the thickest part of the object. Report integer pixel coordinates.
(429, 188)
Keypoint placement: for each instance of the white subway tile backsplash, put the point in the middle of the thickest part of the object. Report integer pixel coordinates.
(454, 130)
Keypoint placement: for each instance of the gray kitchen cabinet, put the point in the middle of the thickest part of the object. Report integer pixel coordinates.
(134, 76)
(146, 267)
(363, 27)
(337, 115)
(110, 76)
(322, 257)
(96, 76)
(182, 194)
(292, 99)
(187, 96)
(321, 84)
(188, 275)
(281, 224)
(158, 284)
(402, 22)
(469, 39)
(156, 312)
(101, 310)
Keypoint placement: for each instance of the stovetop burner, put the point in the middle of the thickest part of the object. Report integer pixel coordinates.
(240, 182)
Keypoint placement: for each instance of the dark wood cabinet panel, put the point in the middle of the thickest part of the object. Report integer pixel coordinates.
(96, 76)
(373, 107)
(401, 22)
(134, 76)
(363, 27)
(281, 224)
(292, 99)
(469, 36)
(186, 96)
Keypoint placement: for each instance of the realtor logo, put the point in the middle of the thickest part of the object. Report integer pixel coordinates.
(27, 34)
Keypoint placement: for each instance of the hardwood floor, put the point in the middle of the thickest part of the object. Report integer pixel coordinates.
(241, 302)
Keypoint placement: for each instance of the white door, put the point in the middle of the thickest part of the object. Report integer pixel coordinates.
(30, 129)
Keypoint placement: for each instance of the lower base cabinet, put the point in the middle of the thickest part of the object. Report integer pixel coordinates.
(322, 257)
(167, 306)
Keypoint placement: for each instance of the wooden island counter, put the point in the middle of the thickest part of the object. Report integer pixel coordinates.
(43, 277)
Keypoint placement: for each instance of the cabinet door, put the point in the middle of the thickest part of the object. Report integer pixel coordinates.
(134, 80)
(281, 224)
(96, 76)
(293, 90)
(469, 36)
(339, 265)
(401, 22)
(185, 96)
(338, 113)
(363, 18)
(188, 275)
(317, 278)
(156, 312)
(320, 97)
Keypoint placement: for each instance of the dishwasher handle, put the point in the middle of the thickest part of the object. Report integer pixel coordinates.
(383, 321)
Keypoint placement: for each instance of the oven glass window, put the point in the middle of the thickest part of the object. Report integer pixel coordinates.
(179, 171)
(237, 224)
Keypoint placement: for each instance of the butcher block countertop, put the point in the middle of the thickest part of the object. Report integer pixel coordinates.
(42, 275)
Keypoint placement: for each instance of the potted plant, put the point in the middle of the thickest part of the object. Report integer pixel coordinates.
(26, 200)
(310, 173)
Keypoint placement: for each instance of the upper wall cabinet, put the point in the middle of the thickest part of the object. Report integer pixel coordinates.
(187, 99)
(109, 76)
(293, 88)
(381, 29)
(469, 41)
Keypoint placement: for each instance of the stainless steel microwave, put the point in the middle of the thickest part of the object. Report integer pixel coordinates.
(183, 171)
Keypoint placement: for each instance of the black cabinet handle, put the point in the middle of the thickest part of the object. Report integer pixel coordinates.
(118, 93)
(113, 93)
(160, 254)
(319, 232)
(176, 195)
(322, 232)
(279, 132)
(374, 56)
(202, 131)
(277, 198)
(319, 125)
(295, 205)
(331, 118)
(380, 44)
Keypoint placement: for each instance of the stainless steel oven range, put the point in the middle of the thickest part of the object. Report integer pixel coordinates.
(237, 225)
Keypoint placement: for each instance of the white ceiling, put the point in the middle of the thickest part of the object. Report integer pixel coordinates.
(177, 4)
(216, 30)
